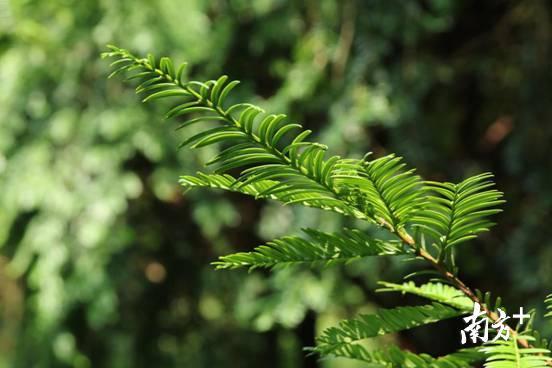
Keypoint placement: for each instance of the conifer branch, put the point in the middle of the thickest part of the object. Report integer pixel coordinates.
(380, 191)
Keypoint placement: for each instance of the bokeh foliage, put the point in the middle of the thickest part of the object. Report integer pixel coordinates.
(105, 262)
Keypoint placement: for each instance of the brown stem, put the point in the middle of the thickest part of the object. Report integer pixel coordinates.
(407, 239)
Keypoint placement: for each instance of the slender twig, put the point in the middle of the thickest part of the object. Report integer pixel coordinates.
(346, 37)
(407, 239)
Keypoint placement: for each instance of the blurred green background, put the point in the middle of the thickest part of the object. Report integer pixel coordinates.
(105, 261)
